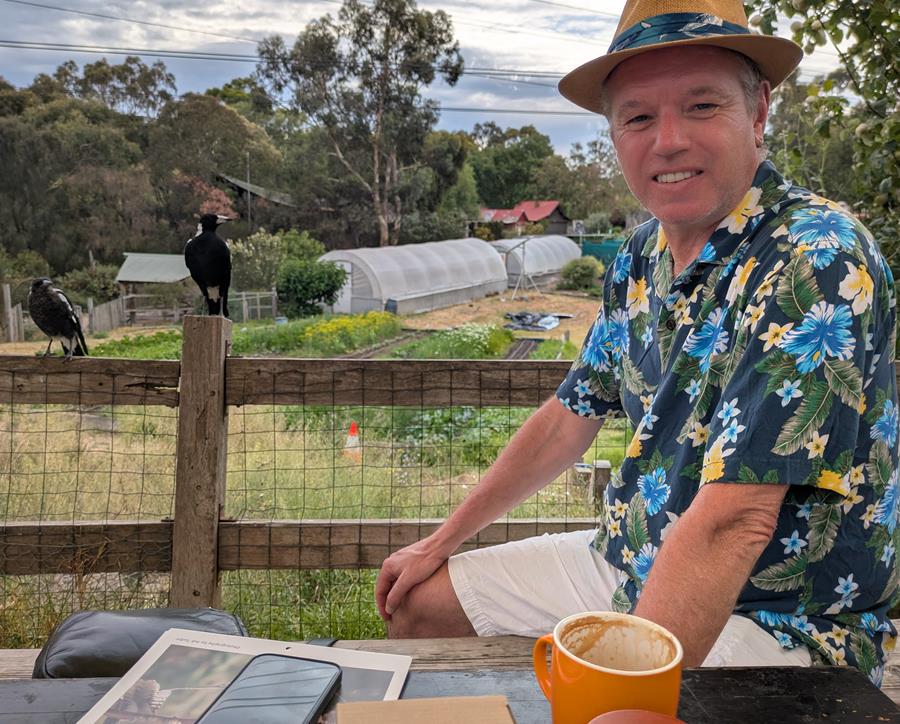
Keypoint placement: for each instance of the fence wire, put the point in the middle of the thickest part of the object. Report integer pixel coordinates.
(62, 465)
(67, 465)
(406, 462)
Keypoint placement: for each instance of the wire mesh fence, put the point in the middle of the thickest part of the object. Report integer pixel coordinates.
(330, 466)
(73, 463)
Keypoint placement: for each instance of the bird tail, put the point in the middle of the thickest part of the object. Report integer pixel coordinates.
(81, 349)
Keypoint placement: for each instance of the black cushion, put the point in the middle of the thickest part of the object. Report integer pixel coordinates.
(108, 643)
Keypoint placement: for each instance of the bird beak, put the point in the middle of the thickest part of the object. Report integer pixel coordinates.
(222, 219)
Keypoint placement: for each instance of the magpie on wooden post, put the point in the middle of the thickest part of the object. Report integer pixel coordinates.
(55, 316)
(209, 261)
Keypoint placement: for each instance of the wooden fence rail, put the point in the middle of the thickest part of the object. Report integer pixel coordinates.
(199, 543)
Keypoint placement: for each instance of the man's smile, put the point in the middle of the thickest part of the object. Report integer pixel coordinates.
(671, 178)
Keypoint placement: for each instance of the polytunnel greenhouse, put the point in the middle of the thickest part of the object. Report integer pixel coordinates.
(417, 277)
(539, 258)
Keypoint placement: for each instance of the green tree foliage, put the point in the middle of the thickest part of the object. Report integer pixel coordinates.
(97, 282)
(247, 97)
(302, 285)
(72, 182)
(202, 137)
(359, 78)
(587, 182)
(131, 87)
(256, 259)
(804, 152)
(462, 196)
(23, 266)
(194, 139)
(865, 36)
(506, 162)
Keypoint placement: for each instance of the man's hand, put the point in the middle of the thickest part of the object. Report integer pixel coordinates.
(404, 569)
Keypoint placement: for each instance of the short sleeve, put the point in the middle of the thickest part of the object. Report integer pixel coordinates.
(795, 390)
(591, 387)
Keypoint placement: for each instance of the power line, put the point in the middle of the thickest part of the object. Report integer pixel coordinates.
(130, 20)
(523, 111)
(576, 7)
(253, 58)
(183, 55)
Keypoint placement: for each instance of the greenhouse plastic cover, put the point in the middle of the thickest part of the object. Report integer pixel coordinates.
(538, 254)
(414, 270)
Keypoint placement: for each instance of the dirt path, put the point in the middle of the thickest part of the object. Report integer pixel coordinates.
(520, 349)
(491, 310)
(384, 349)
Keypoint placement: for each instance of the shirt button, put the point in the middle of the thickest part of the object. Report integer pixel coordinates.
(670, 324)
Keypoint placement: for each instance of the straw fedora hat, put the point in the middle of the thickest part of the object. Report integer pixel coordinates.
(653, 24)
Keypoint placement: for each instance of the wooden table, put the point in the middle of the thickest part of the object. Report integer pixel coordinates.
(735, 696)
(503, 665)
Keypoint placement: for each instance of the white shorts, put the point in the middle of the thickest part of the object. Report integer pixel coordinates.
(526, 587)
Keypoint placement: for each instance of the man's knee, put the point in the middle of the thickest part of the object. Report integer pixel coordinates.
(430, 610)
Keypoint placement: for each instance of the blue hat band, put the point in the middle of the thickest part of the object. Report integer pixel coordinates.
(674, 26)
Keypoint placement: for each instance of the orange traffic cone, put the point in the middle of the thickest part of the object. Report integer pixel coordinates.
(352, 448)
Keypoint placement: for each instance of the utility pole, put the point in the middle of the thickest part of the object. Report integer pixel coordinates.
(249, 210)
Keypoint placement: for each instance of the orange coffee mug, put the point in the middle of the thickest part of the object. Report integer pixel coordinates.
(604, 661)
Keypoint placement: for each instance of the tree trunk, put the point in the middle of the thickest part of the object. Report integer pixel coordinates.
(398, 204)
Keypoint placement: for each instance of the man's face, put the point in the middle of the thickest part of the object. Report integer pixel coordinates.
(684, 136)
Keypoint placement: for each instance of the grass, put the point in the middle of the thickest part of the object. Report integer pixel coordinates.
(470, 341)
(64, 463)
(555, 349)
(309, 337)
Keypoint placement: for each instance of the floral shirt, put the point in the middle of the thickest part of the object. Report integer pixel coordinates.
(768, 360)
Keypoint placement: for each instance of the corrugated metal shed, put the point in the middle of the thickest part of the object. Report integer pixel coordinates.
(278, 197)
(152, 268)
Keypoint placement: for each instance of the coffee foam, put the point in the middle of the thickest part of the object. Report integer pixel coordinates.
(616, 644)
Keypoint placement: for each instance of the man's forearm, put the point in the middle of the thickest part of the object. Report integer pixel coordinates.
(697, 577)
(549, 441)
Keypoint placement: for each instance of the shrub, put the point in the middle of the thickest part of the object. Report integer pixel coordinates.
(597, 223)
(484, 233)
(470, 341)
(300, 245)
(581, 273)
(304, 285)
(257, 258)
(98, 282)
(345, 333)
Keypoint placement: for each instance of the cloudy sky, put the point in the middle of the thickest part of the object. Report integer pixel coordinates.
(527, 36)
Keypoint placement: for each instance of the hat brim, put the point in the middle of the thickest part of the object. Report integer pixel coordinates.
(776, 57)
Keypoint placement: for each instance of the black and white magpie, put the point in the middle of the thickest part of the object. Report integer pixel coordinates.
(209, 262)
(55, 316)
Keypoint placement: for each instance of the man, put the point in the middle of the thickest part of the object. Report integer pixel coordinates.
(747, 331)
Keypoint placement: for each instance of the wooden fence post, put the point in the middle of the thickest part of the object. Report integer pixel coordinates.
(11, 326)
(200, 462)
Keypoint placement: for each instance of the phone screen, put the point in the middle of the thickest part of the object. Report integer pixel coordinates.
(275, 689)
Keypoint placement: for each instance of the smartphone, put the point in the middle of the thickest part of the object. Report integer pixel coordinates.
(276, 689)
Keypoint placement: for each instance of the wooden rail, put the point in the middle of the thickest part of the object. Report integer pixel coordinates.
(88, 381)
(125, 546)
